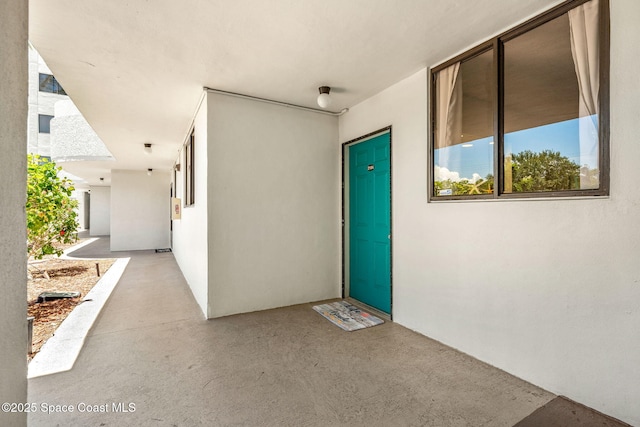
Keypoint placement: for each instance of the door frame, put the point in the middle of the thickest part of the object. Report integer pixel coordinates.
(345, 202)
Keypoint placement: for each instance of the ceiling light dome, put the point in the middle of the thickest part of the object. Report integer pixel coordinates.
(324, 100)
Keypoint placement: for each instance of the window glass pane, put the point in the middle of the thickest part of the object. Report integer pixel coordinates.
(48, 83)
(463, 134)
(59, 89)
(550, 105)
(188, 175)
(44, 123)
(189, 188)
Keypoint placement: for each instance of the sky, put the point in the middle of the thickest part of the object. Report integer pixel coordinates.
(463, 161)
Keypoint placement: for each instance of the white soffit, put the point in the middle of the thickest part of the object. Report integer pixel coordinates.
(136, 69)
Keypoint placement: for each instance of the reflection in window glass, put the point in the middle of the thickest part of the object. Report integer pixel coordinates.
(48, 83)
(550, 105)
(537, 100)
(463, 143)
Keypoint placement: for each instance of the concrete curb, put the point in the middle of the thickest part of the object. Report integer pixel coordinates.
(65, 254)
(60, 352)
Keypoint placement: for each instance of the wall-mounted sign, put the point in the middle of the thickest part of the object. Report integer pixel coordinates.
(176, 208)
(370, 167)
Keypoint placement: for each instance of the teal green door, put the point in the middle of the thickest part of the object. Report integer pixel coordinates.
(370, 222)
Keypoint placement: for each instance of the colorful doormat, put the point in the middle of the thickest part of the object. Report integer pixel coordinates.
(347, 316)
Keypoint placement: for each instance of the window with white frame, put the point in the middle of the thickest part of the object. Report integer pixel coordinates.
(526, 114)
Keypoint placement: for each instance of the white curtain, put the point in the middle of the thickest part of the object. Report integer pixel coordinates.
(449, 106)
(583, 22)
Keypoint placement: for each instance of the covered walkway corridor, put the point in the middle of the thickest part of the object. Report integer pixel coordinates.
(151, 359)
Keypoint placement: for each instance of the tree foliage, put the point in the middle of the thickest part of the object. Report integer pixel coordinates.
(543, 171)
(51, 218)
(530, 172)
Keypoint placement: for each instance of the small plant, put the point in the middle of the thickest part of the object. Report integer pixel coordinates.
(51, 215)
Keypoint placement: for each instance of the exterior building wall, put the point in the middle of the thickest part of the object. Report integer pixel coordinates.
(190, 233)
(139, 210)
(13, 177)
(32, 121)
(545, 289)
(100, 211)
(72, 138)
(263, 230)
(39, 103)
(273, 185)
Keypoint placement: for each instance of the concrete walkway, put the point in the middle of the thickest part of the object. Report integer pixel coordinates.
(152, 360)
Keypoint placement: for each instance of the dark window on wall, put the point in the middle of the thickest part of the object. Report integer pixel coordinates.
(44, 123)
(189, 185)
(48, 83)
(526, 114)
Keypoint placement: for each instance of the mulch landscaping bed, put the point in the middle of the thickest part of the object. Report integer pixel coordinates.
(63, 276)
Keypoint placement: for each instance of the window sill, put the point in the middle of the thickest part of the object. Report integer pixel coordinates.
(520, 199)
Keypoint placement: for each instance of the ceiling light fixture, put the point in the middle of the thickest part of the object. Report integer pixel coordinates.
(149, 171)
(147, 148)
(324, 100)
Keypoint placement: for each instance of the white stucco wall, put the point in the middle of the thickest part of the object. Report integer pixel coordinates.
(190, 242)
(273, 210)
(72, 138)
(140, 210)
(32, 120)
(13, 177)
(547, 290)
(100, 211)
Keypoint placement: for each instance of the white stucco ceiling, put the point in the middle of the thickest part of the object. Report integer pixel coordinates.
(136, 68)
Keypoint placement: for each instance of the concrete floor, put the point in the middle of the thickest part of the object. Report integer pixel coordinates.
(151, 347)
